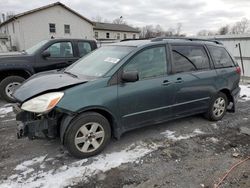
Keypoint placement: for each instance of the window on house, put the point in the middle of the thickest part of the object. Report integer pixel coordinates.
(134, 36)
(118, 36)
(52, 28)
(96, 35)
(125, 36)
(67, 29)
(107, 35)
(190, 58)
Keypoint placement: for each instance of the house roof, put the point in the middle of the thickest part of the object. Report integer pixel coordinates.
(43, 8)
(114, 27)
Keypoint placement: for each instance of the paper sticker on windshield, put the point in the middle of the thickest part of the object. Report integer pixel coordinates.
(112, 60)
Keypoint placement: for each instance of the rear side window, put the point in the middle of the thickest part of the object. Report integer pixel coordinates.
(189, 58)
(84, 48)
(221, 57)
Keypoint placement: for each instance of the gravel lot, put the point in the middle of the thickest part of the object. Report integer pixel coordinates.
(190, 152)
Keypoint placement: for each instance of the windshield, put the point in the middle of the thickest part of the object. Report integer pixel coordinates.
(100, 61)
(35, 47)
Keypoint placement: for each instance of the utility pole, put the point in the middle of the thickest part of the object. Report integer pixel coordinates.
(241, 59)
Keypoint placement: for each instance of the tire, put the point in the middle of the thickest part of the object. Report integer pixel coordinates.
(80, 141)
(217, 103)
(5, 86)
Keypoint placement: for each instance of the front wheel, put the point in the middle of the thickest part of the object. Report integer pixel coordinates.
(217, 108)
(87, 135)
(8, 85)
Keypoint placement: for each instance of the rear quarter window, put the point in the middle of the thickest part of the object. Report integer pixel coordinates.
(221, 57)
(189, 58)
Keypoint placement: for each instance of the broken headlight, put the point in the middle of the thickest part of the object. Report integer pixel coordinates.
(42, 103)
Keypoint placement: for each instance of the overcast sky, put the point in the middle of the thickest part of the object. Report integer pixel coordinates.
(195, 15)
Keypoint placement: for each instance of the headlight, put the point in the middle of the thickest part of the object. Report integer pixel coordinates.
(42, 103)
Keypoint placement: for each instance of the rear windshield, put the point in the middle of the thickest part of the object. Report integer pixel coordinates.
(100, 61)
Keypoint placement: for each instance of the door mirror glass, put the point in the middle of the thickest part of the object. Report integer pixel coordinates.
(131, 76)
(46, 54)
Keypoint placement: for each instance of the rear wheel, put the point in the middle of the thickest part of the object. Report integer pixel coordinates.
(218, 107)
(87, 135)
(8, 86)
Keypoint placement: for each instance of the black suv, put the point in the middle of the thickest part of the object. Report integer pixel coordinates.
(46, 55)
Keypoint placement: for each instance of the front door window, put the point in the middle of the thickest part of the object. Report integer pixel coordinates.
(60, 50)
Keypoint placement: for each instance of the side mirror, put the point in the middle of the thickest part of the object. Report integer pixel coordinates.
(46, 54)
(131, 76)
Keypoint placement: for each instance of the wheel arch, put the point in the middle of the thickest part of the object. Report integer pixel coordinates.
(228, 94)
(15, 72)
(115, 131)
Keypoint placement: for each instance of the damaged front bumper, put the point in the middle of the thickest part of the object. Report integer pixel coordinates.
(33, 125)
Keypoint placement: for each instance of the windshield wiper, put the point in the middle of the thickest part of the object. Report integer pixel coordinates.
(71, 74)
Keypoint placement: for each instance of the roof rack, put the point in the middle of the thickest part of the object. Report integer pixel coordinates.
(184, 38)
(135, 39)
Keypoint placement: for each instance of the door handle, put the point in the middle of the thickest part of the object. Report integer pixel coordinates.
(70, 61)
(179, 80)
(166, 83)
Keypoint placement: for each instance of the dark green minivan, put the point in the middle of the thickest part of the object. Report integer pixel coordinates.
(127, 85)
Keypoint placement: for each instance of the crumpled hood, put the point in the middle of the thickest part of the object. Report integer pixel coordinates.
(43, 82)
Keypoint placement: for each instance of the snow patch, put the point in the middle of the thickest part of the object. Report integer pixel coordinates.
(214, 125)
(245, 92)
(8, 120)
(214, 140)
(5, 110)
(75, 172)
(25, 165)
(171, 135)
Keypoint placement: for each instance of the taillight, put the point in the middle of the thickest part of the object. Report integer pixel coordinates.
(238, 70)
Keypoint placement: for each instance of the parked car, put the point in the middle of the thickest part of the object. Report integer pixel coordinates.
(125, 86)
(44, 56)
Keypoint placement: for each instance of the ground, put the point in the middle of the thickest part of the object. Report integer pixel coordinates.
(190, 152)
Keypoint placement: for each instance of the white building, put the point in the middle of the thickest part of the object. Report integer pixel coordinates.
(108, 32)
(4, 43)
(57, 20)
(231, 43)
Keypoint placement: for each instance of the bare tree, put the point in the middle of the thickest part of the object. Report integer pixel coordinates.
(119, 21)
(159, 32)
(223, 30)
(9, 15)
(206, 33)
(178, 29)
(170, 32)
(97, 18)
(147, 32)
(240, 27)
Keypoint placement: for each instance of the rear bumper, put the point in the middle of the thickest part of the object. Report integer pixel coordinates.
(236, 94)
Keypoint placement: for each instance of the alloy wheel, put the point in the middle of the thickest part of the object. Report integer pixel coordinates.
(10, 88)
(219, 107)
(89, 137)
